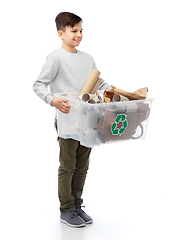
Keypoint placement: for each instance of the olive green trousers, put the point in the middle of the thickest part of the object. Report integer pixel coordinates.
(74, 163)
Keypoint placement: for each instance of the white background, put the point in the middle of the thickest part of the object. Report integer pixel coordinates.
(129, 188)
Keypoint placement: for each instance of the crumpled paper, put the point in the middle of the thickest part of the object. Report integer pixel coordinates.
(116, 94)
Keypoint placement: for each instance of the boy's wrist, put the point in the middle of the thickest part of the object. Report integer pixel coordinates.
(49, 99)
(52, 102)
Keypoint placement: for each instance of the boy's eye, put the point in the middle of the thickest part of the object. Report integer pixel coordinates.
(74, 31)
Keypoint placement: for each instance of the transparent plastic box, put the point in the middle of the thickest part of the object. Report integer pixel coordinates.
(95, 124)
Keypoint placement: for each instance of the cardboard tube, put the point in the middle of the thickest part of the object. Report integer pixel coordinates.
(119, 98)
(92, 83)
(88, 96)
(91, 101)
(99, 101)
(85, 97)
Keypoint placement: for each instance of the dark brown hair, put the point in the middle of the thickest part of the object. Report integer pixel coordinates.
(64, 19)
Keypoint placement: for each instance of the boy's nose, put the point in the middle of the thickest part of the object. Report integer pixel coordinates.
(79, 34)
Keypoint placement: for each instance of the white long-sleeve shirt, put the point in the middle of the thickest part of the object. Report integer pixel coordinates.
(65, 72)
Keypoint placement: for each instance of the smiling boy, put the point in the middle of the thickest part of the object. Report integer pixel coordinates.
(71, 37)
(67, 70)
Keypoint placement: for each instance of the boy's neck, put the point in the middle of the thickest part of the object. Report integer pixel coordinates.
(69, 49)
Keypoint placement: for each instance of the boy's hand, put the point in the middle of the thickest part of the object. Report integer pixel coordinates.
(61, 104)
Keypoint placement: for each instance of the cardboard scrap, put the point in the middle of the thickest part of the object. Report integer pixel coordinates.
(137, 95)
(134, 119)
(114, 94)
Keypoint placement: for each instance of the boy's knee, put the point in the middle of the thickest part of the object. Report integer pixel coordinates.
(64, 170)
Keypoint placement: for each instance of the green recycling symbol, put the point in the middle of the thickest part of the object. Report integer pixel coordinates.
(120, 119)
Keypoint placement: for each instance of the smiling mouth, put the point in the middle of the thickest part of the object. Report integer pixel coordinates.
(77, 40)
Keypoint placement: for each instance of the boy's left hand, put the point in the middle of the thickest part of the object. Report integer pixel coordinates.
(61, 104)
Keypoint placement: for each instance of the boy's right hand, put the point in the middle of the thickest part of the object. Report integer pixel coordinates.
(61, 104)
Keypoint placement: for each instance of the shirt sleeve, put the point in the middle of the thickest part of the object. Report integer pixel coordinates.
(103, 85)
(47, 74)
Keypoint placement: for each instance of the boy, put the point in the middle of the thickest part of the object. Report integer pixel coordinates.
(66, 70)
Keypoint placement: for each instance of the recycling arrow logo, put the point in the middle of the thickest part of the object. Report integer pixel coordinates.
(118, 127)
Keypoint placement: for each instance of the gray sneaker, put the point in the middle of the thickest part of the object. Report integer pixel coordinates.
(72, 219)
(83, 215)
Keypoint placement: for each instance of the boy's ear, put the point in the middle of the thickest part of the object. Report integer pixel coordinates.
(60, 33)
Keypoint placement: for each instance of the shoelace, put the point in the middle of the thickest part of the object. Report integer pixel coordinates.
(79, 209)
(73, 213)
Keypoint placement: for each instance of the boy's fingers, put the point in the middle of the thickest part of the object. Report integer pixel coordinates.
(67, 106)
(65, 110)
(65, 103)
(64, 100)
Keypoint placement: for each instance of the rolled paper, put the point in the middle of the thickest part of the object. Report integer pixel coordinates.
(88, 96)
(91, 101)
(119, 98)
(85, 97)
(92, 83)
(96, 85)
(99, 101)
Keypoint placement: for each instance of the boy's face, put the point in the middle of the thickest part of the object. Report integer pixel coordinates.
(72, 36)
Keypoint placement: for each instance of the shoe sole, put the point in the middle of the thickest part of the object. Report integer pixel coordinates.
(91, 221)
(71, 225)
